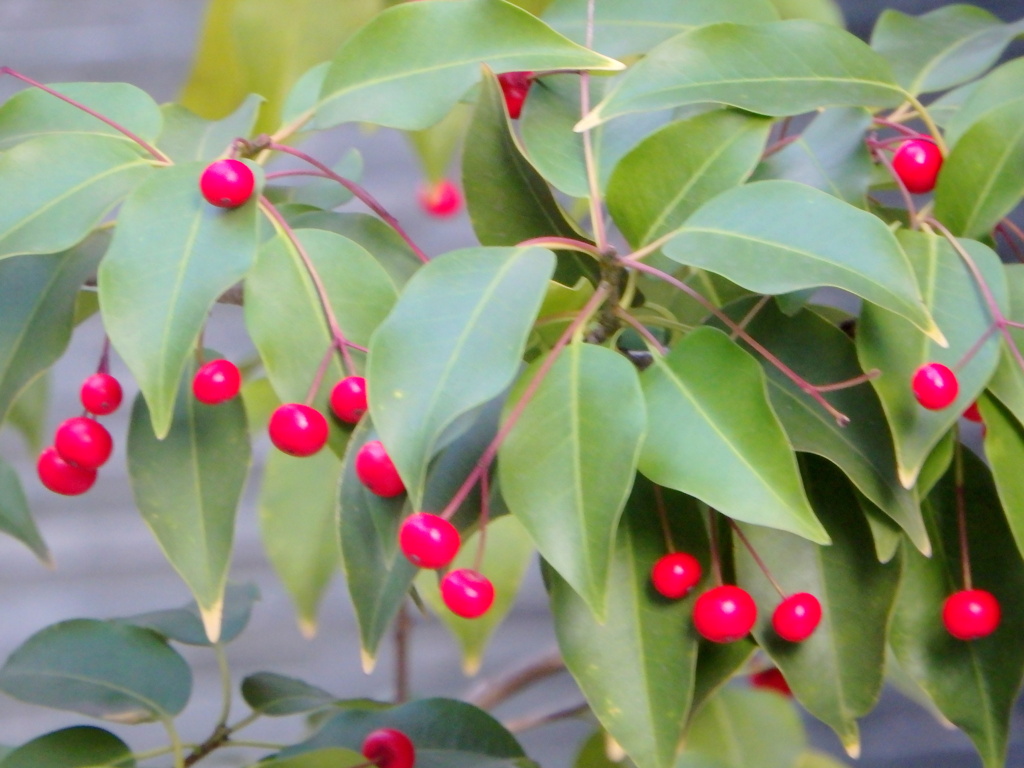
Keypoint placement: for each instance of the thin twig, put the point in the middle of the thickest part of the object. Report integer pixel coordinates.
(757, 558)
(528, 722)
(490, 693)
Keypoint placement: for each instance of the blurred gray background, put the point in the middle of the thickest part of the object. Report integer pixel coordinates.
(109, 565)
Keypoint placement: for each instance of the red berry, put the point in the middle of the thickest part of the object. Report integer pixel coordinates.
(972, 413)
(441, 199)
(428, 541)
(83, 442)
(389, 748)
(216, 382)
(377, 472)
(675, 574)
(970, 614)
(227, 183)
(772, 680)
(60, 477)
(298, 429)
(101, 394)
(467, 593)
(796, 617)
(917, 163)
(935, 386)
(515, 86)
(348, 399)
(724, 614)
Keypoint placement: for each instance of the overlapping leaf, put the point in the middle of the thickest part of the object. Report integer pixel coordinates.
(637, 668)
(187, 486)
(715, 436)
(367, 82)
(185, 624)
(82, 746)
(888, 343)
(1004, 449)
(172, 255)
(453, 341)
(782, 68)
(999, 87)
(778, 237)
(187, 137)
(276, 695)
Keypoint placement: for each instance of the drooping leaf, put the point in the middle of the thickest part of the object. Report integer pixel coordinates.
(830, 155)
(82, 746)
(187, 487)
(669, 175)
(623, 28)
(185, 624)
(938, 50)
(568, 464)
(33, 112)
(276, 695)
(999, 87)
(508, 551)
(1007, 383)
(428, 366)
(837, 673)
(973, 683)
(172, 255)
(782, 68)
(29, 411)
(732, 726)
(15, 515)
(717, 664)
(980, 181)
(1004, 447)
(368, 82)
(821, 353)
(187, 137)
(636, 669)
(37, 305)
(297, 508)
(890, 344)
(101, 669)
(716, 437)
(778, 237)
(54, 191)
(507, 200)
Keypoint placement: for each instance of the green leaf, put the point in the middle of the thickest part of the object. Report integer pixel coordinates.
(623, 28)
(321, 192)
(185, 624)
(568, 464)
(973, 683)
(1004, 447)
(998, 88)
(297, 509)
(188, 137)
(824, 11)
(33, 112)
(29, 411)
(830, 155)
(101, 669)
(890, 344)
(717, 438)
(187, 487)
(332, 757)
(783, 68)
(656, 187)
(814, 759)
(416, 87)
(360, 293)
(980, 180)
(437, 146)
(37, 309)
(428, 367)
(718, 664)
(15, 515)
(82, 746)
(938, 50)
(778, 237)
(172, 255)
(1007, 383)
(594, 753)
(818, 351)
(54, 191)
(507, 200)
(446, 733)
(506, 555)
(732, 728)
(837, 673)
(637, 669)
(276, 695)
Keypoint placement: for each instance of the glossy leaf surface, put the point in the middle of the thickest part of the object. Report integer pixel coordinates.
(101, 669)
(81, 746)
(277, 695)
(159, 279)
(718, 439)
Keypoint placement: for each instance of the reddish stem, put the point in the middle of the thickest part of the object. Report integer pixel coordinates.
(643, 330)
(356, 190)
(485, 518)
(908, 200)
(716, 556)
(318, 378)
(659, 503)
(104, 364)
(156, 153)
(757, 558)
(905, 130)
(781, 144)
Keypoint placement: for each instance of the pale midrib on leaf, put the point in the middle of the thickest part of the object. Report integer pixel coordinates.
(940, 56)
(996, 169)
(37, 309)
(152, 706)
